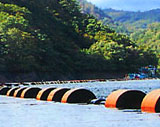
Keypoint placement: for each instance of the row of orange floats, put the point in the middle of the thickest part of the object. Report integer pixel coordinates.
(51, 82)
(121, 99)
(65, 82)
(134, 99)
(64, 95)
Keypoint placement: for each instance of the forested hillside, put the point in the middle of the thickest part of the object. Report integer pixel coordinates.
(122, 21)
(89, 8)
(149, 38)
(131, 21)
(129, 16)
(54, 40)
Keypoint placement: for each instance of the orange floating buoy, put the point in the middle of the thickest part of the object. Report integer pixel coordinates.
(30, 92)
(78, 95)
(57, 94)
(43, 94)
(18, 92)
(125, 99)
(151, 102)
(4, 90)
(11, 91)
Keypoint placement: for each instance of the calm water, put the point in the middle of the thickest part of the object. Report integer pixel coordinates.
(17, 112)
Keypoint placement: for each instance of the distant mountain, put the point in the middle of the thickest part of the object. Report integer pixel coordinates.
(129, 21)
(130, 16)
(122, 21)
(89, 8)
(127, 5)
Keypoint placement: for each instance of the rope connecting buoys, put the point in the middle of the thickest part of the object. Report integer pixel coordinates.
(19, 91)
(4, 90)
(151, 102)
(57, 94)
(11, 91)
(30, 92)
(43, 94)
(78, 95)
(125, 99)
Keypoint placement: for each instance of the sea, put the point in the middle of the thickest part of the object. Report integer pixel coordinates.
(17, 112)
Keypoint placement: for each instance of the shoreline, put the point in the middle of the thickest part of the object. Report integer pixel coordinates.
(42, 78)
(10, 84)
(51, 76)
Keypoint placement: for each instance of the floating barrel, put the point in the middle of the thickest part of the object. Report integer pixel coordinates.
(78, 95)
(57, 94)
(151, 102)
(33, 83)
(11, 91)
(125, 99)
(8, 84)
(98, 101)
(18, 92)
(43, 94)
(4, 90)
(26, 84)
(30, 92)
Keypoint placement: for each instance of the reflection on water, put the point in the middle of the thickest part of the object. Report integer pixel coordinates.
(16, 112)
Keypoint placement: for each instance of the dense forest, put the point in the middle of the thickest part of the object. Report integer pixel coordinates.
(149, 38)
(141, 27)
(129, 21)
(89, 8)
(55, 40)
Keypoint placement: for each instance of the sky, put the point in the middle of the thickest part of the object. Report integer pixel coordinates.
(129, 5)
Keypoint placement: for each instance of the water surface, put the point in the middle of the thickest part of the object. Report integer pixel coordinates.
(16, 112)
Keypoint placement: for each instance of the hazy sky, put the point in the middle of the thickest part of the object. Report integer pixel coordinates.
(132, 5)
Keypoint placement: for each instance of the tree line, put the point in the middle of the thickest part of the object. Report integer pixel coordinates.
(55, 40)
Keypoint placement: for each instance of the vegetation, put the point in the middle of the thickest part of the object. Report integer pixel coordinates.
(55, 40)
(120, 52)
(89, 8)
(128, 21)
(142, 27)
(125, 22)
(149, 38)
(129, 16)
